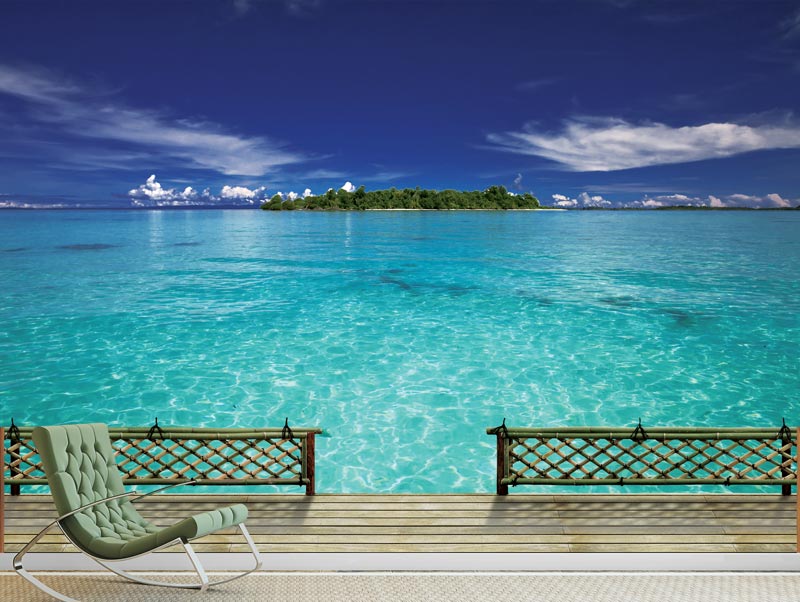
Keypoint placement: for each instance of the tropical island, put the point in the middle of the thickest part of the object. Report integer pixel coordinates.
(493, 198)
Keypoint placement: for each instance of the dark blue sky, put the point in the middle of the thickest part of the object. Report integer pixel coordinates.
(628, 102)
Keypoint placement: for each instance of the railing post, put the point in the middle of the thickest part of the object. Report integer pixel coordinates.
(13, 467)
(501, 463)
(310, 488)
(2, 489)
(785, 471)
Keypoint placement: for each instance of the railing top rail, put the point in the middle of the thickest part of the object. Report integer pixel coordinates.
(141, 432)
(596, 432)
(224, 481)
(790, 480)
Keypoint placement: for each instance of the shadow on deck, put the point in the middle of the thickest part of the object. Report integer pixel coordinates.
(465, 523)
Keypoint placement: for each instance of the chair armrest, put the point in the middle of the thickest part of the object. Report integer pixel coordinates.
(160, 489)
(135, 494)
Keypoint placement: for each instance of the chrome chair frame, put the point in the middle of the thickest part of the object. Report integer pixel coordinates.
(203, 585)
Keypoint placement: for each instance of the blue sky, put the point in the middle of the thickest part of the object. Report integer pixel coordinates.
(609, 103)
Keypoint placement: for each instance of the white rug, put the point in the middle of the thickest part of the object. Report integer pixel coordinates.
(428, 587)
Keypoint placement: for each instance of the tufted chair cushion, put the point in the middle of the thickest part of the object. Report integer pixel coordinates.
(79, 462)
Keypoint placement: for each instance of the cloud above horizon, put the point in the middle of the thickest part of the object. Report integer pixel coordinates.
(76, 111)
(611, 144)
(587, 200)
(242, 192)
(584, 199)
(153, 194)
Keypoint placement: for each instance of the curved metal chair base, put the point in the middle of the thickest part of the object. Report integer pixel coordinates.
(41, 586)
(198, 567)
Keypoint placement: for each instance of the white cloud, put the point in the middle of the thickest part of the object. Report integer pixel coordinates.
(240, 192)
(584, 199)
(744, 198)
(292, 196)
(769, 200)
(664, 200)
(609, 144)
(678, 199)
(778, 201)
(153, 194)
(772, 200)
(26, 205)
(197, 144)
(518, 182)
(596, 200)
(348, 187)
(560, 200)
(32, 84)
(152, 191)
(307, 193)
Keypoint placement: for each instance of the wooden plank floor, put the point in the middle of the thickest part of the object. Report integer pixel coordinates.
(466, 523)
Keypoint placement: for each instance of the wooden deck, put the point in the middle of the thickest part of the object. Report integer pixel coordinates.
(466, 523)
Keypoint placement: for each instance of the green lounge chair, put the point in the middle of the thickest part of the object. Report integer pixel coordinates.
(97, 516)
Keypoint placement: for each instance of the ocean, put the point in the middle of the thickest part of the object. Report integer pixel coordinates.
(402, 334)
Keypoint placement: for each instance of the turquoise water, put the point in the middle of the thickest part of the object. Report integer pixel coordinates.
(403, 334)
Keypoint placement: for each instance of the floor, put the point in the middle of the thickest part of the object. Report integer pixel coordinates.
(426, 587)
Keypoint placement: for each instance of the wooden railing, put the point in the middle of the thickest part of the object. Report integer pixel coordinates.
(655, 456)
(156, 455)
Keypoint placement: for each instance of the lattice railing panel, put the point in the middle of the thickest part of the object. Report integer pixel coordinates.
(213, 460)
(22, 461)
(233, 455)
(671, 458)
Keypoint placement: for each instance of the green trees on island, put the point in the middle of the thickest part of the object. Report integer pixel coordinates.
(494, 197)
